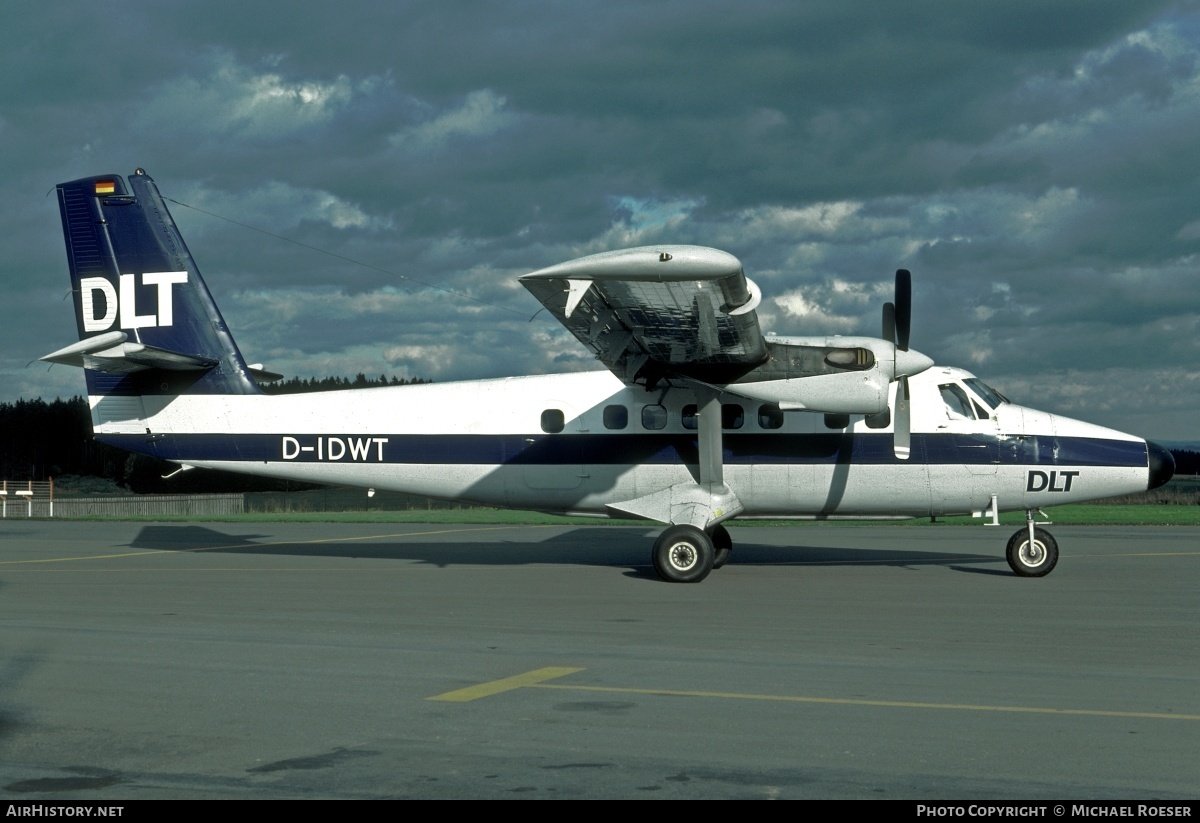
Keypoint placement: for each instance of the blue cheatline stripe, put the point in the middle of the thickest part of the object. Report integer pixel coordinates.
(630, 449)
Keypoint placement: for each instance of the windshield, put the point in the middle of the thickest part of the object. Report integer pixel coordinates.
(986, 393)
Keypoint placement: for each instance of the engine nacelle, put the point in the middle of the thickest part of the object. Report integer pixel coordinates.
(836, 375)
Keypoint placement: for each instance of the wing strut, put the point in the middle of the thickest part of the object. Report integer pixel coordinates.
(712, 458)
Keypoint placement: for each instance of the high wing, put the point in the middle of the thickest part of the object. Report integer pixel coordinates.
(660, 314)
(654, 312)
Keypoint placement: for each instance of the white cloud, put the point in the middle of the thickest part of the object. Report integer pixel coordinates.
(234, 100)
(429, 360)
(814, 308)
(481, 114)
(818, 219)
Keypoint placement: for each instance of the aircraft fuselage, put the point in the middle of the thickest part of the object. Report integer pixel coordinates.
(580, 442)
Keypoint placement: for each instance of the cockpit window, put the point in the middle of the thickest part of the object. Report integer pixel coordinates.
(986, 393)
(958, 405)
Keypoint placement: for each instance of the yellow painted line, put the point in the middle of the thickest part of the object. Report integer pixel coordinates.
(900, 704)
(405, 567)
(148, 552)
(1140, 554)
(538, 679)
(506, 684)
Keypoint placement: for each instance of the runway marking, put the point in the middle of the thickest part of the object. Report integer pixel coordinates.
(900, 704)
(537, 679)
(147, 552)
(505, 684)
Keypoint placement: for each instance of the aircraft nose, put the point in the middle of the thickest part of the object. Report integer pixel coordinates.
(911, 362)
(1161, 463)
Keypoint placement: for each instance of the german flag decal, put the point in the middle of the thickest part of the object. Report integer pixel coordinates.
(106, 186)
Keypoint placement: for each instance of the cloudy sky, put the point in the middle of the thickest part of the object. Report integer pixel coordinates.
(1036, 165)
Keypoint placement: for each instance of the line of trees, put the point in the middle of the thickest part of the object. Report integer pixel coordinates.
(360, 381)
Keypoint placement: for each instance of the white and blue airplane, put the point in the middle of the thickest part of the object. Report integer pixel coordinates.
(698, 419)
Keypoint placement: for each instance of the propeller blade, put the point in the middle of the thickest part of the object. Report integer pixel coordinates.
(903, 308)
(889, 323)
(901, 421)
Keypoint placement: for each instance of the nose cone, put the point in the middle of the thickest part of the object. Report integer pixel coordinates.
(1161, 463)
(911, 362)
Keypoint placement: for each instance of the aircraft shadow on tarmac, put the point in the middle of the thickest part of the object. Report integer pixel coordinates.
(581, 546)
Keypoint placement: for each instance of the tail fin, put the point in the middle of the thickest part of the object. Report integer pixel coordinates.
(147, 323)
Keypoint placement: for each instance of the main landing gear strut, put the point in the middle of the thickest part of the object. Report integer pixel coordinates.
(695, 542)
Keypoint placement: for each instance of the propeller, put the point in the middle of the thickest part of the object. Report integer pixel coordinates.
(903, 308)
(897, 323)
(901, 421)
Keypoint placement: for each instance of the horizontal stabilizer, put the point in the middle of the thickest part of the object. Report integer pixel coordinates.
(261, 375)
(113, 353)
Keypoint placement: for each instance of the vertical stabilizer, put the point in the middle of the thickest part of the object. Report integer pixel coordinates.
(147, 323)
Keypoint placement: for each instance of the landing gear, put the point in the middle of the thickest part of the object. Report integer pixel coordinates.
(696, 542)
(722, 543)
(683, 554)
(1032, 552)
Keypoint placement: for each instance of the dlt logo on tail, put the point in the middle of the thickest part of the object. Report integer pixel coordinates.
(127, 305)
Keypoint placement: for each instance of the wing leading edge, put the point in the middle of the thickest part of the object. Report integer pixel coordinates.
(655, 312)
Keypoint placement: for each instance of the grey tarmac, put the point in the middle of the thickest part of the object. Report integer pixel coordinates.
(287, 660)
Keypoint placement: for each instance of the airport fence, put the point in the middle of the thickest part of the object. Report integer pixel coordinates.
(38, 499)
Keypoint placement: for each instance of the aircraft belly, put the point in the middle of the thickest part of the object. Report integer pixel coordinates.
(478, 484)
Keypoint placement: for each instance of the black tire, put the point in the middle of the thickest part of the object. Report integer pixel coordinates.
(1036, 561)
(722, 545)
(683, 554)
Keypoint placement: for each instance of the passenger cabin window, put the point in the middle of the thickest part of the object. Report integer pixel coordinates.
(879, 421)
(553, 421)
(616, 417)
(654, 417)
(770, 417)
(732, 416)
(690, 419)
(837, 421)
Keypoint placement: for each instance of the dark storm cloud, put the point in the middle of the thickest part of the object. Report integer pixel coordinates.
(1034, 164)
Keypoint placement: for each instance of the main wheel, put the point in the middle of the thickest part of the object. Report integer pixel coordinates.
(683, 554)
(722, 545)
(1036, 560)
